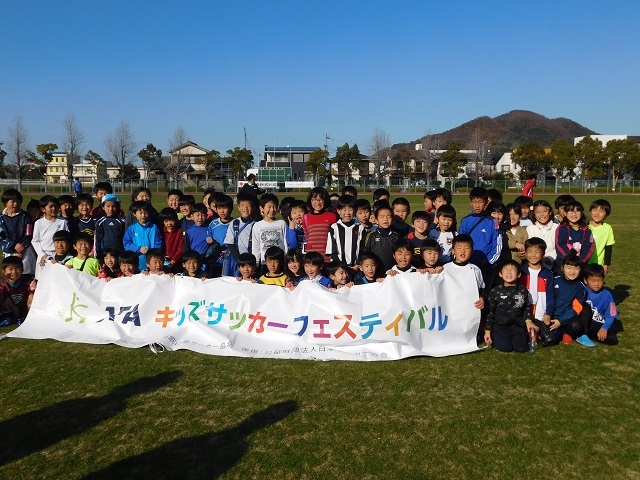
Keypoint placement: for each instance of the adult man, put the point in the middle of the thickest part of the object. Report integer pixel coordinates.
(251, 187)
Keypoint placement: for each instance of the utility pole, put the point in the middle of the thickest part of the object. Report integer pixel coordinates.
(326, 149)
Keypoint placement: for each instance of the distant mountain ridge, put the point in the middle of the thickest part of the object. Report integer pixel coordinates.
(508, 131)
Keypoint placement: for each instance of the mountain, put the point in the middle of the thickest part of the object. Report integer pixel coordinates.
(505, 132)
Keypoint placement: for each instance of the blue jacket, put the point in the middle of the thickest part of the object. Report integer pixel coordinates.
(487, 238)
(565, 292)
(138, 236)
(195, 238)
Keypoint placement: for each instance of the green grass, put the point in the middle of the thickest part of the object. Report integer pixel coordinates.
(75, 411)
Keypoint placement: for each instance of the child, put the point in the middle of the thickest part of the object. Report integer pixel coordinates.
(602, 233)
(403, 256)
(142, 194)
(429, 209)
(269, 232)
(499, 213)
(274, 259)
(129, 263)
(333, 202)
(462, 250)
(16, 231)
(571, 311)
(401, 210)
(538, 280)
(573, 234)
(110, 228)
(247, 266)
(155, 262)
(559, 204)
(44, 229)
(313, 263)
(216, 233)
(350, 190)
(33, 209)
(445, 231)
(317, 222)
(370, 271)
(516, 235)
(195, 236)
(545, 229)
(17, 292)
(430, 252)
(293, 266)
(173, 196)
(494, 195)
(82, 244)
(185, 204)
(173, 239)
(525, 204)
(339, 274)
(485, 232)
(296, 215)
(238, 237)
(62, 241)
(345, 236)
(100, 190)
(206, 195)
(421, 222)
(442, 197)
(382, 240)
(363, 213)
(67, 209)
(605, 325)
(381, 194)
(192, 265)
(86, 223)
(143, 235)
(109, 266)
(509, 321)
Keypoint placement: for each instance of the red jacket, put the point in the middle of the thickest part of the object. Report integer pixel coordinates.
(173, 244)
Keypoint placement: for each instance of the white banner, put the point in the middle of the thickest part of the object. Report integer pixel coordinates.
(300, 184)
(259, 183)
(406, 315)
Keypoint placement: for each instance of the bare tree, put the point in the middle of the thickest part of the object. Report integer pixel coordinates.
(178, 161)
(121, 147)
(380, 144)
(17, 147)
(72, 140)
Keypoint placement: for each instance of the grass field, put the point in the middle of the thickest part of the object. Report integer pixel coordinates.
(82, 411)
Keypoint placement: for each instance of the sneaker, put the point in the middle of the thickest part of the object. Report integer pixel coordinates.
(566, 339)
(585, 341)
(4, 323)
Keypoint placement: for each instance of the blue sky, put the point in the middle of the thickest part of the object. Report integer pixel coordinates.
(289, 72)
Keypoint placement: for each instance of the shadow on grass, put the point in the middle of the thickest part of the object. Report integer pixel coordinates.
(200, 457)
(620, 293)
(34, 431)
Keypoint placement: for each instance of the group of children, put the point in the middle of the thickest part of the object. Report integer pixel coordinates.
(547, 273)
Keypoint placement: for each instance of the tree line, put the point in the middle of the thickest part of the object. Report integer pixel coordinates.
(21, 162)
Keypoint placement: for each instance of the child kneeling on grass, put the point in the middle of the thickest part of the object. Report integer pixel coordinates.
(509, 320)
(571, 310)
(605, 325)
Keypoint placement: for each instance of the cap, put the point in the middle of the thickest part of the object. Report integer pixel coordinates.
(110, 197)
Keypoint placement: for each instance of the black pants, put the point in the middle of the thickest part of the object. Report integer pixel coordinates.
(548, 338)
(510, 338)
(612, 333)
(580, 324)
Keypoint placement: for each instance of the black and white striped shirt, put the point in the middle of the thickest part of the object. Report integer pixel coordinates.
(345, 241)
